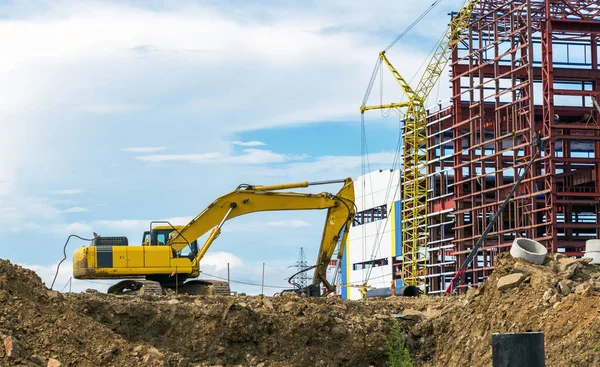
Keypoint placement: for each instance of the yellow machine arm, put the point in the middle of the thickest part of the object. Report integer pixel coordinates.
(250, 199)
(415, 211)
(443, 51)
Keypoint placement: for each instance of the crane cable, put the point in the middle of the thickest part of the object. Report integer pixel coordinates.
(413, 24)
(364, 150)
(400, 36)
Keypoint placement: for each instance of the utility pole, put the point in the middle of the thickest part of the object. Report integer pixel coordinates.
(302, 278)
(262, 291)
(228, 279)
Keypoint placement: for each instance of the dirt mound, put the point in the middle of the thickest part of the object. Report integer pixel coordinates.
(41, 328)
(38, 325)
(559, 298)
(256, 331)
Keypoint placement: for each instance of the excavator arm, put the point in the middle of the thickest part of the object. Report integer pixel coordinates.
(248, 199)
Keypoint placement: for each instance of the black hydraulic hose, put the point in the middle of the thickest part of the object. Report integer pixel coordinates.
(65, 255)
(301, 271)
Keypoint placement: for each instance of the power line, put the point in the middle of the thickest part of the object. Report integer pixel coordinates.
(245, 283)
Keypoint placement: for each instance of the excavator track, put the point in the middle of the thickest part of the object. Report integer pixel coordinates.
(136, 287)
(206, 287)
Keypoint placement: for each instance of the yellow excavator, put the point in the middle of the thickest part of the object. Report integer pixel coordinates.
(169, 256)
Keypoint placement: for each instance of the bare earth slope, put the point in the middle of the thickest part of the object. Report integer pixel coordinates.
(39, 327)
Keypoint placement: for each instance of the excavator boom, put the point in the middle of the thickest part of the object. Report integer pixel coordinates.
(159, 261)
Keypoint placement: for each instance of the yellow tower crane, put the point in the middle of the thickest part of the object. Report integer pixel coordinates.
(414, 199)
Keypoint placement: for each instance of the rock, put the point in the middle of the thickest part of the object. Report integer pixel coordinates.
(242, 305)
(54, 294)
(565, 287)
(555, 299)
(527, 268)
(569, 270)
(54, 363)
(39, 361)
(289, 306)
(471, 293)
(564, 263)
(510, 281)
(547, 295)
(339, 332)
(183, 362)
(267, 303)
(148, 359)
(138, 349)
(155, 351)
(409, 317)
(581, 288)
(11, 347)
(174, 302)
(338, 320)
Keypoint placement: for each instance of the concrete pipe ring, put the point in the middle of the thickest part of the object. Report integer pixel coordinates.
(529, 250)
(592, 246)
(594, 255)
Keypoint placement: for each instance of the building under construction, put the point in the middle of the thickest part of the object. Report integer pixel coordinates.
(521, 68)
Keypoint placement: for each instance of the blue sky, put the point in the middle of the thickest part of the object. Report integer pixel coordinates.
(117, 113)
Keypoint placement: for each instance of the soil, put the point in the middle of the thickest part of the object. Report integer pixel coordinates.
(40, 327)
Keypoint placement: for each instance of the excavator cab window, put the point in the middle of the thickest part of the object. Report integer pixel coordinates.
(189, 251)
(160, 237)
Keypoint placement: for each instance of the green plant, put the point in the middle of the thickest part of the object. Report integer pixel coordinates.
(396, 348)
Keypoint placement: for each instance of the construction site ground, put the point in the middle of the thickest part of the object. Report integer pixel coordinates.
(40, 327)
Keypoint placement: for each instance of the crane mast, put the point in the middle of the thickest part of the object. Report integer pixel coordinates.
(415, 185)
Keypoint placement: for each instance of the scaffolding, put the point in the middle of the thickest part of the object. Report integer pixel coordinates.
(522, 67)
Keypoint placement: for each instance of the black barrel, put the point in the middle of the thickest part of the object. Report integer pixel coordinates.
(518, 350)
(408, 291)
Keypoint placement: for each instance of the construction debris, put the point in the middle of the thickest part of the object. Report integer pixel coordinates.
(560, 298)
(93, 329)
(42, 328)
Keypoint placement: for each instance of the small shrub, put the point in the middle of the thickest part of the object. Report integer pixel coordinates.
(396, 348)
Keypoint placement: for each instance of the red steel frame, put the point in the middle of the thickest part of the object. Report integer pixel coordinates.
(523, 67)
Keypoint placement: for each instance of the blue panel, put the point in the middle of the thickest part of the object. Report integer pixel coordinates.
(398, 226)
(398, 220)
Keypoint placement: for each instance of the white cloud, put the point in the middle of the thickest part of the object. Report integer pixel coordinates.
(293, 223)
(146, 78)
(253, 143)
(249, 156)
(68, 191)
(218, 260)
(330, 167)
(76, 209)
(143, 149)
(188, 158)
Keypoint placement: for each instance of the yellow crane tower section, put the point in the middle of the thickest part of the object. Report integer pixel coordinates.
(415, 187)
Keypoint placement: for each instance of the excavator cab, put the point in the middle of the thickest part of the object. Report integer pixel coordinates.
(159, 236)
